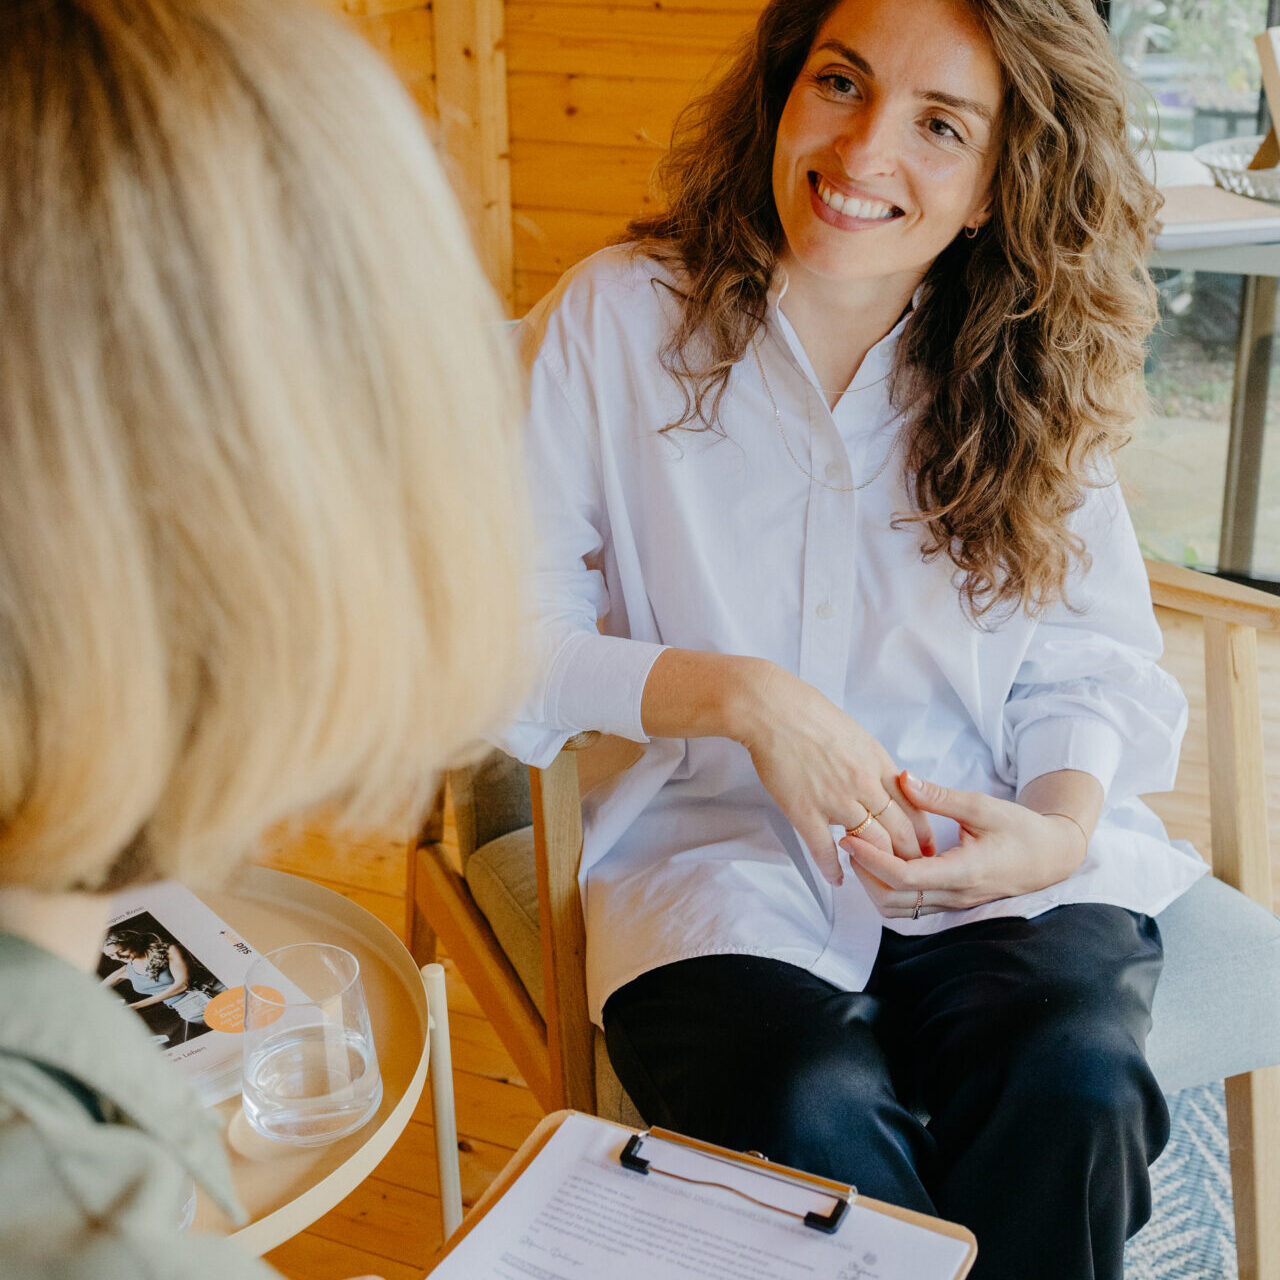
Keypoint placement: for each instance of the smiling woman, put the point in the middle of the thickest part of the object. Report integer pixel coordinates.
(1015, 387)
(870, 141)
(824, 453)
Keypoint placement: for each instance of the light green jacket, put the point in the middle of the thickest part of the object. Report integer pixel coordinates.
(98, 1134)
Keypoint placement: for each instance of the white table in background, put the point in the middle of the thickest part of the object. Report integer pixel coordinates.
(1259, 264)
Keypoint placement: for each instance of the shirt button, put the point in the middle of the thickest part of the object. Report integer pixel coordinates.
(832, 471)
(825, 611)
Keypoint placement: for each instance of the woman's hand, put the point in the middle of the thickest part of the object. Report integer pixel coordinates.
(824, 769)
(1005, 849)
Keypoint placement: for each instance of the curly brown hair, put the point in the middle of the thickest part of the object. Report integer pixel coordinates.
(144, 944)
(1019, 369)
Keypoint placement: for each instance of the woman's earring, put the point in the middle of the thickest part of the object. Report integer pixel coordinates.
(971, 232)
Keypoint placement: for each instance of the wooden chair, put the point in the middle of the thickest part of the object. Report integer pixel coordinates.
(513, 922)
(526, 827)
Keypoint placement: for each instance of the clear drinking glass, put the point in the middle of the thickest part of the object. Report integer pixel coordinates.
(310, 1067)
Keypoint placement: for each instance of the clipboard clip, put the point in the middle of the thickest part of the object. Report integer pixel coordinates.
(840, 1194)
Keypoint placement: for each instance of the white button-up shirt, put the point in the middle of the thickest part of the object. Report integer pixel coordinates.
(743, 542)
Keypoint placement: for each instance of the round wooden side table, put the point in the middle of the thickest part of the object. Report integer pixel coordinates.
(285, 1189)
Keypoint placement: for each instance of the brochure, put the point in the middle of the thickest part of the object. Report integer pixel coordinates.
(182, 969)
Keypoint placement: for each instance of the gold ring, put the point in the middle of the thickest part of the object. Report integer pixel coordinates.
(869, 819)
(862, 826)
(915, 915)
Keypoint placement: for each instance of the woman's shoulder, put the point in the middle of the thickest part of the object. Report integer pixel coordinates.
(59, 1164)
(621, 295)
(620, 274)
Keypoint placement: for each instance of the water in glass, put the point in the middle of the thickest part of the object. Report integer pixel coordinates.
(310, 1068)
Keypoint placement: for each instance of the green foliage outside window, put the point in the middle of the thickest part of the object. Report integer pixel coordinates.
(1213, 38)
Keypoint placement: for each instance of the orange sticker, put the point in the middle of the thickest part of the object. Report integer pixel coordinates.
(225, 1012)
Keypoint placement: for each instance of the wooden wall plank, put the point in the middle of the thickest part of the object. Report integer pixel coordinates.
(450, 57)
(530, 286)
(471, 88)
(552, 240)
(723, 7)
(593, 90)
(653, 44)
(588, 109)
(374, 8)
(405, 37)
(594, 179)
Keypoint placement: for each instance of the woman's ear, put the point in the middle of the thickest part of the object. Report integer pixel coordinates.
(980, 217)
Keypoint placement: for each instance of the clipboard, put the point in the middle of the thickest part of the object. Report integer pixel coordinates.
(548, 1126)
(820, 1203)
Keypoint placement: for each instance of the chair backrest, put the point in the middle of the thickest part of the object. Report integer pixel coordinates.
(557, 842)
(490, 799)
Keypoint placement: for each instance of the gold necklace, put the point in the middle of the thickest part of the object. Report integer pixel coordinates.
(777, 418)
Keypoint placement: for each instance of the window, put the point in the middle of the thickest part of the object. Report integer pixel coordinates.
(1198, 67)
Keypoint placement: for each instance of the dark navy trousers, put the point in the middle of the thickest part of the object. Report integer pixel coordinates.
(992, 1074)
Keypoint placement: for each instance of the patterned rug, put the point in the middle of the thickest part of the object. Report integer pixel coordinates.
(1191, 1235)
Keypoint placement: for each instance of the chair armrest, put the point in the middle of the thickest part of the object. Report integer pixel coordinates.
(1189, 591)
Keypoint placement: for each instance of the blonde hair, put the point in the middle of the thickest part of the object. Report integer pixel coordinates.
(259, 493)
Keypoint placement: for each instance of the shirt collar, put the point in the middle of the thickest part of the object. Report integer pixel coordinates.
(54, 1015)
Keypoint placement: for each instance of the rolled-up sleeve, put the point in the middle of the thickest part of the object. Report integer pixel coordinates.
(1088, 694)
(582, 679)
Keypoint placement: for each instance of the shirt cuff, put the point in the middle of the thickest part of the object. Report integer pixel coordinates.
(1067, 742)
(597, 682)
(532, 744)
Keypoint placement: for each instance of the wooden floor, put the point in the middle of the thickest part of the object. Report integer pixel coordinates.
(390, 1226)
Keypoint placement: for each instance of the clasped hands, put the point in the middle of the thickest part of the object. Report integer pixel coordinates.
(1005, 849)
(823, 769)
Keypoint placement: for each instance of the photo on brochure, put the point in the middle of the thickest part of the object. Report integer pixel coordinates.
(181, 968)
(142, 962)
